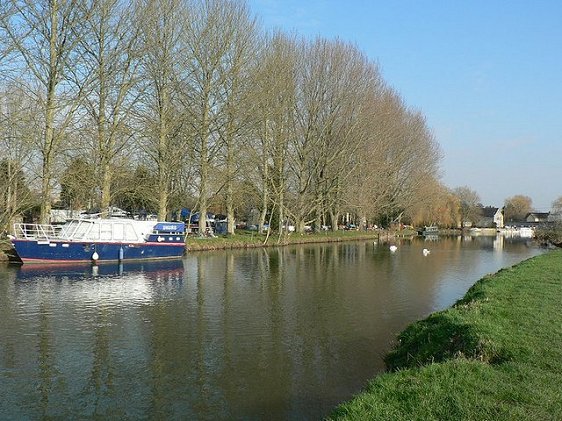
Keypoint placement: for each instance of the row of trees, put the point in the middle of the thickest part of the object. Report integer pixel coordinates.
(160, 104)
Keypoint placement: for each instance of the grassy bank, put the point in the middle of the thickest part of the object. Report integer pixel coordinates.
(497, 354)
(250, 239)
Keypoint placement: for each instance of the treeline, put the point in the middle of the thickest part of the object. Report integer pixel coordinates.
(163, 104)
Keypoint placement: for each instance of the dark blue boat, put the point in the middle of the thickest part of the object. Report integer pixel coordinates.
(99, 240)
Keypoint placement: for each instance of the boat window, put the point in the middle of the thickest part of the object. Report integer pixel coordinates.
(130, 234)
(118, 232)
(82, 230)
(94, 232)
(105, 233)
(68, 229)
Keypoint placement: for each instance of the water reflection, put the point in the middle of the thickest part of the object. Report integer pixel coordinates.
(262, 334)
(31, 272)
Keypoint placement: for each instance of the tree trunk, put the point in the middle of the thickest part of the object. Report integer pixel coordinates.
(281, 211)
(299, 224)
(229, 208)
(265, 195)
(105, 200)
(204, 168)
(49, 142)
(163, 164)
(362, 222)
(334, 216)
(230, 177)
(45, 192)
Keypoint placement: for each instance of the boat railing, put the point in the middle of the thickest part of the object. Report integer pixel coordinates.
(41, 232)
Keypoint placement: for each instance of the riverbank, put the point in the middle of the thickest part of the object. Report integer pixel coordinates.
(496, 354)
(5, 246)
(251, 239)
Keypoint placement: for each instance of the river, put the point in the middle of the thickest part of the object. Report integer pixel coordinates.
(281, 333)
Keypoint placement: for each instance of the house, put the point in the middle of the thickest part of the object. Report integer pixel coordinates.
(537, 217)
(490, 217)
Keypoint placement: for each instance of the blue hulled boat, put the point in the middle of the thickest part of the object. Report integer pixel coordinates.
(98, 240)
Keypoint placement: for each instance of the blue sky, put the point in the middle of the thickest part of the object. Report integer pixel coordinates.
(487, 74)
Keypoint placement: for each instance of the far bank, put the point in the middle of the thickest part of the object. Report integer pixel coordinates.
(252, 239)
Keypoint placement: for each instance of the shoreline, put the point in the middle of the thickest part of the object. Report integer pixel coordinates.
(249, 239)
(495, 354)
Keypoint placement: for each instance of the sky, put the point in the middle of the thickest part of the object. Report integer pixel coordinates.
(486, 74)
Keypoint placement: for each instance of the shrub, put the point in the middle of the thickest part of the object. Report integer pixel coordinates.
(550, 234)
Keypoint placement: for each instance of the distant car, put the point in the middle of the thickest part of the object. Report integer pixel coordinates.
(255, 227)
(117, 212)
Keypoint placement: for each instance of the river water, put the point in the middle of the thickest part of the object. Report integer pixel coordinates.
(283, 333)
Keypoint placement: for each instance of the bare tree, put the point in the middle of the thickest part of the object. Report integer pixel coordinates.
(235, 127)
(162, 23)
(219, 40)
(18, 135)
(436, 205)
(366, 191)
(517, 207)
(348, 76)
(469, 204)
(302, 158)
(415, 157)
(273, 97)
(45, 34)
(557, 208)
(111, 53)
(309, 127)
(396, 162)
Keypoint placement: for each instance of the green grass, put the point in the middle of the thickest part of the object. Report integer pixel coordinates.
(247, 239)
(496, 354)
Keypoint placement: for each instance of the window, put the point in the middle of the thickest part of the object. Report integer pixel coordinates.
(130, 234)
(105, 234)
(69, 229)
(82, 230)
(94, 233)
(118, 232)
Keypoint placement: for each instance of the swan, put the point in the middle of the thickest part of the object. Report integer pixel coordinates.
(425, 252)
(393, 248)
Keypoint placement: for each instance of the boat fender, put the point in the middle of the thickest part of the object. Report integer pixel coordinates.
(95, 256)
(120, 253)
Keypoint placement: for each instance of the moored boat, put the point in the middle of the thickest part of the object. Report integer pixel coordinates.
(98, 240)
(429, 230)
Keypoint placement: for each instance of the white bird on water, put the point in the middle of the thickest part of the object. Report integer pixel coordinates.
(425, 252)
(393, 248)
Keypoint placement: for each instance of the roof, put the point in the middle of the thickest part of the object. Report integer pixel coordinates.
(488, 211)
(538, 214)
